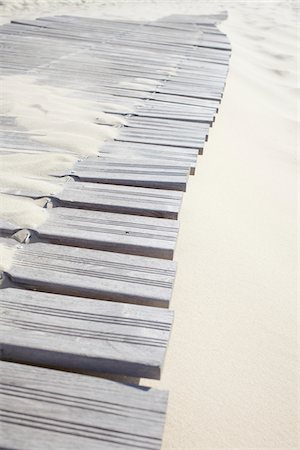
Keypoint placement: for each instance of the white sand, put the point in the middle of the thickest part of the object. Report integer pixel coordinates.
(49, 115)
(231, 365)
(6, 257)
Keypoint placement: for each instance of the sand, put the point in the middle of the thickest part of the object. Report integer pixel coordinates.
(49, 115)
(231, 365)
(6, 258)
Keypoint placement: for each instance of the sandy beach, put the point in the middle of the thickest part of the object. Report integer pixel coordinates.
(231, 366)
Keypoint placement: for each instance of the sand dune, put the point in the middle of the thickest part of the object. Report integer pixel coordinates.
(231, 367)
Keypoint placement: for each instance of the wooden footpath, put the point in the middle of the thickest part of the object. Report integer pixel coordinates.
(87, 295)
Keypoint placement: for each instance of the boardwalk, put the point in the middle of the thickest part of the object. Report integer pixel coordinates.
(88, 290)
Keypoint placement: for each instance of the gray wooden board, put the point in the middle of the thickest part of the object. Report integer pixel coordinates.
(89, 71)
(175, 134)
(181, 99)
(166, 125)
(83, 335)
(164, 110)
(135, 174)
(163, 161)
(172, 134)
(122, 233)
(144, 138)
(115, 146)
(180, 155)
(121, 199)
(155, 154)
(215, 45)
(144, 164)
(189, 92)
(161, 114)
(203, 68)
(49, 409)
(111, 198)
(93, 273)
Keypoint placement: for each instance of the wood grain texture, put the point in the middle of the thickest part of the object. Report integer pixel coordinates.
(122, 199)
(121, 233)
(83, 335)
(49, 409)
(150, 154)
(95, 274)
(144, 174)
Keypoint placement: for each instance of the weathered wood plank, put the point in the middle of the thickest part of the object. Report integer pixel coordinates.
(121, 233)
(93, 273)
(109, 198)
(46, 409)
(166, 125)
(143, 138)
(181, 99)
(94, 170)
(83, 335)
(115, 147)
(150, 154)
(121, 199)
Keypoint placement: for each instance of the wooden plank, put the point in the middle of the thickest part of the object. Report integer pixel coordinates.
(151, 138)
(143, 174)
(109, 198)
(121, 199)
(182, 138)
(83, 335)
(166, 125)
(163, 160)
(93, 274)
(163, 110)
(150, 153)
(47, 409)
(136, 235)
(181, 99)
(115, 147)
(121, 233)
(144, 164)
(189, 92)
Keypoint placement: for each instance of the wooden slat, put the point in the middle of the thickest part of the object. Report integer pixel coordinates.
(162, 138)
(83, 335)
(121, 199)
(155, 154)
(92, 273)
(181, 99)
(148, 149)
(47, 409)
(167, 125)
(121, 233)
(110, 198)
(173, 111)
(144, 174)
